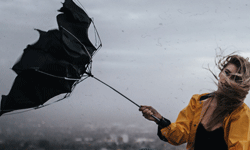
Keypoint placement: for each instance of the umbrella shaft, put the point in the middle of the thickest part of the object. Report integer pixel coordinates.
(122, 95)
(116, 91)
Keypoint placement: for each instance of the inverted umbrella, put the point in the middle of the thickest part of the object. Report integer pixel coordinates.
(56, 63)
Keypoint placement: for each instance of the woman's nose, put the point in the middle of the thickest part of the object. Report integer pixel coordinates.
(222, 79)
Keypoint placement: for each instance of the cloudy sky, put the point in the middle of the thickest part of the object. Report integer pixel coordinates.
(154, 52)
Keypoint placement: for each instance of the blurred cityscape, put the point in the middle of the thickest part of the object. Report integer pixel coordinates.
(88, 137)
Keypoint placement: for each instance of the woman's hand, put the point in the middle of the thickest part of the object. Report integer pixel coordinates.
(148, 111)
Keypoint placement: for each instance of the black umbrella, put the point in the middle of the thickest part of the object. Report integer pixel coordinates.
(55, 63)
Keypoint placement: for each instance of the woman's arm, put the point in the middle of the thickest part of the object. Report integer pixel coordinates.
(148, 111)
(178, 132)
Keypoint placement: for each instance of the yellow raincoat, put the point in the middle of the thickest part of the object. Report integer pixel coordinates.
(236, 126)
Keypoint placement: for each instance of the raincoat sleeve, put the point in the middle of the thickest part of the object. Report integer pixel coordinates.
(178, 132)
(238, 130)
(162, 124)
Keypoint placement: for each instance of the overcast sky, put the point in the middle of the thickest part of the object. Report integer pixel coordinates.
(154, 52)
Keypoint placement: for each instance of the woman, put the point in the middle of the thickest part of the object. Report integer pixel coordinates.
(218, 120)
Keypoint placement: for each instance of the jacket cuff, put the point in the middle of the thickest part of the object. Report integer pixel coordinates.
(164, 122)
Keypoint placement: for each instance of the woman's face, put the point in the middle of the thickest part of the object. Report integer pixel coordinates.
(229, 72)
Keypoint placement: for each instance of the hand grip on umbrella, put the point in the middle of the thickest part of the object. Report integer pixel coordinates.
(158, 120)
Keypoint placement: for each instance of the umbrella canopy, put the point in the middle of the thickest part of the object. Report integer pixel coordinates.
(55, 63)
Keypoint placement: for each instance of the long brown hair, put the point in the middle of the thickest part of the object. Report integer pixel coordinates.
(231, 93)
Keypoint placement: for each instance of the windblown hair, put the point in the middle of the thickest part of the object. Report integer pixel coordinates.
(232, 93)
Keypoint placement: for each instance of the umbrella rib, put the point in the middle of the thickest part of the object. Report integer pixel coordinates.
(78, 41)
